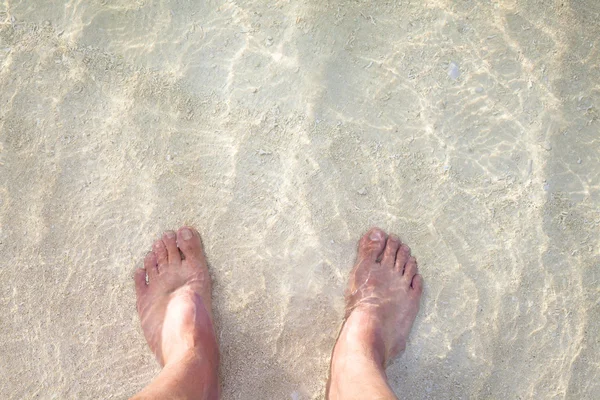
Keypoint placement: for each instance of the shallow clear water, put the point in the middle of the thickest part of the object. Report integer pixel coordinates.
(283, 130)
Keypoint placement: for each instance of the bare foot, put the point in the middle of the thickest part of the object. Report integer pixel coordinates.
(175, 304)
(382, 302)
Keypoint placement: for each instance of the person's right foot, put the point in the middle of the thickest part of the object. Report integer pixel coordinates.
(382, 302)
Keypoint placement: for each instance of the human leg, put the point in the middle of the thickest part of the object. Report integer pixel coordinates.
(382, 302)
(174, 306)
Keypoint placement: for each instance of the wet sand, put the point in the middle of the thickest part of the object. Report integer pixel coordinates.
(282, 131)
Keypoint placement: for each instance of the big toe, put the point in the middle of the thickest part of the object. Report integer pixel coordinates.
(190, 244)
(371, 245)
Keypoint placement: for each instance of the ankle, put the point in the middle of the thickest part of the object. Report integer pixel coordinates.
(353, 368)
(361, 337)
(191, 376)
(196, 355)
(191, 335)
(189, 356)
(358, 361)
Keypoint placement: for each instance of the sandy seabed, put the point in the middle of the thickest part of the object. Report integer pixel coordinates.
(282, 130)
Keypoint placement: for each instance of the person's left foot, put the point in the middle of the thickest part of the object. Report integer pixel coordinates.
(174, 301)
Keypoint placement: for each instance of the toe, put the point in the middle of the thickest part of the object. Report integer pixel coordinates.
(188, 240)
(402, 258)
(371, 245)
(160, 251)
(170, 241)
(151, 266)
(410, 270)
(391, 248)
(417, 284)
(140, 282)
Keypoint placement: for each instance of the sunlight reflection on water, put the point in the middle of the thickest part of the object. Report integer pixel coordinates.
(283, 131)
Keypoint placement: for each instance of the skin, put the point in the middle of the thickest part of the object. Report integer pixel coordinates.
(175, 312)
(382, 302)
(174, 304)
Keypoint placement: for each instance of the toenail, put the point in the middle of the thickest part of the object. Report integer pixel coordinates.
(170, 234)
(186, 234)
(376, 236)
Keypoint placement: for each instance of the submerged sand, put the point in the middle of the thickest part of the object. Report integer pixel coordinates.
(283, 130)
